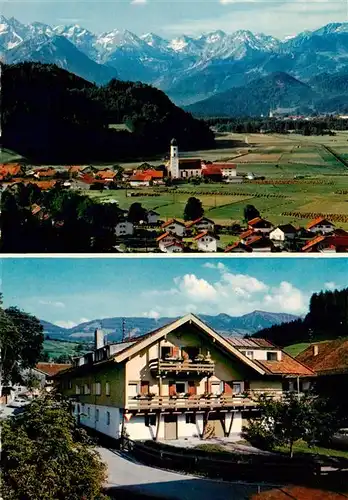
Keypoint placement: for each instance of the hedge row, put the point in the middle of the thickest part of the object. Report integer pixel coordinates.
(316, 215)
(317, 182)
(132, 195)
(341, 191)
(237, 193)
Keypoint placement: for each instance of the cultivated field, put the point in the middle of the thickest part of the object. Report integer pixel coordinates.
(307, 179)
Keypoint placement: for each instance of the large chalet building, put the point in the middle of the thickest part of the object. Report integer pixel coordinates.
(181, 380)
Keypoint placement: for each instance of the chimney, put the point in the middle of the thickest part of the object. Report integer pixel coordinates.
(98, 338)
(315, 350)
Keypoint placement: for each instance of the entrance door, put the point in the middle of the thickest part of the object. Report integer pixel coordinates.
(170, 427)
(216, 426)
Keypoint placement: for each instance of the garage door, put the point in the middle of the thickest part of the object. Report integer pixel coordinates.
(215, 427)
(170, 427)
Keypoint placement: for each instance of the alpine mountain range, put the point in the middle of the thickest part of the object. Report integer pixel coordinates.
(188, 69)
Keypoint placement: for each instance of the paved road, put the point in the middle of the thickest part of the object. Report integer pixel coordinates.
(127, 474)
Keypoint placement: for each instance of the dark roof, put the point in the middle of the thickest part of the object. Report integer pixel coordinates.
(332, 357)
(174, 142)
(287, 228)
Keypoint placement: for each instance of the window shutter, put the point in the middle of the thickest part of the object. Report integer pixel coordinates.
(228, 389)
(175, 351)
(208, 387)
(144, 388)
(172, 390)
(246, 385)
(192, 388)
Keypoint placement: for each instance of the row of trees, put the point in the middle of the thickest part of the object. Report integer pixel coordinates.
(314, 126)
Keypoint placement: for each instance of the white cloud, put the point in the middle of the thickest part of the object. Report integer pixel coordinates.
(293, 17)
(233, 294)
(66, 324)
(197, 289)
(152, 314)
(51, 303)
(138, 2)
(331, 285)
(212, 265)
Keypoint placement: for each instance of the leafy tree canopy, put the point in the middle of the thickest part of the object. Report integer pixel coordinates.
(250, 212)
(193, 209)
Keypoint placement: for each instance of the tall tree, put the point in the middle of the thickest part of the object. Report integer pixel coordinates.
(136, 213)
(193, 209)
(45, 455)
(250, 212)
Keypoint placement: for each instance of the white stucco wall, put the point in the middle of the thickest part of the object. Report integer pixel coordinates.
(100, 425)
(124, 228)
(207, 244)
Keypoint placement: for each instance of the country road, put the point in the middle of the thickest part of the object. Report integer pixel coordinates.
(124, 474)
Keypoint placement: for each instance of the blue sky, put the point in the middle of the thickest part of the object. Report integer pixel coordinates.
(171, 18)
(68, 291)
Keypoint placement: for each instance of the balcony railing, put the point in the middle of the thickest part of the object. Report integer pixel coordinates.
(190, 402)
(181, 366)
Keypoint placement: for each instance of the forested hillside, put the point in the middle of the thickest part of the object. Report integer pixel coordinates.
(327, 319)
(53, 116)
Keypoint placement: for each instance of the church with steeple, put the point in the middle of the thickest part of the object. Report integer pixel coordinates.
(182, 168)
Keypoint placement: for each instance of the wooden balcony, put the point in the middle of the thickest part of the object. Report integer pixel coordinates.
(177, 366)
(189, 403)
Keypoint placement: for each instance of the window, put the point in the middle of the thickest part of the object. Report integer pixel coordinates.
(132, 389)
(69, 384)
(192, 352)
(97, 389)
(97, 415)
(216, 388)
(144, 387)
(248, 354)
(89, 412)
(107, 418)
(78, 409)
(190, 418)
(107, 389)
(77, 389)
(272, 356)
(237, 388)
(180, 387)
(87, 389)
(150, 420)
(166, 352)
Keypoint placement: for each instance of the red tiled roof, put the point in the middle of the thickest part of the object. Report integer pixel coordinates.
(313, 242)
(155, 174)
(332, 357)
(11, 169)
(49, 172)
(319, 220)
(105, 174)
(174, 243)
(165, 235)
(225, 165)
(286, 366)
(141, 178)
(211, 170)
(246, 234)
(43, 184)
(52, 369)
(75, 168)
(238, 244)
(205, 233)
(193, 222)
(172, 221)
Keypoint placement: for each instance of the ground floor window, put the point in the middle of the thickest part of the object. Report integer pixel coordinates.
(150, 420)
(190, 418)
(107, 418)
(180, 387)
(237, 388)
(97, 415)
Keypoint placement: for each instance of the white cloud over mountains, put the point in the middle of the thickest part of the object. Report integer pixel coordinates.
(229, 293)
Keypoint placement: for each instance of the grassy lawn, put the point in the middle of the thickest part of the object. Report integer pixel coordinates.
(301, 447)
(59, 348)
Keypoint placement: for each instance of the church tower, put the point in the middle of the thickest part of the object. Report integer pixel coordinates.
(174, 159)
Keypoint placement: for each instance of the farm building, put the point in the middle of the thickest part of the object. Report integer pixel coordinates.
(321, 225)
(206, 241)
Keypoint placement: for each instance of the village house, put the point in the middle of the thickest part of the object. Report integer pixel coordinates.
(124, 228)
(179, 168)
(206, 241)
(175, 226)
(334, 243)
(228, 170)
(260, 243)
(259, 225)
(246, 235)
(140, 180)
(238, 247)
(44, 173)
(152, 217)
(168, 242)
(11, 171)
(283, 233)
(321, 225)
(106, 175)
(174, 246)
(179, 381)
(201, 224)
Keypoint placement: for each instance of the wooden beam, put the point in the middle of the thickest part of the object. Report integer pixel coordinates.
(158, 425)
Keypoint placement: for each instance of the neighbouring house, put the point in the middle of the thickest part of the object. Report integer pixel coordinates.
(181, 380)
(282, 233)
(228, 169)
(140, 180)
(246, 235)
(206, 241)
(238, 247)
(321, 244)
(173, 247)
(124, 228)
(175, 226)
(106, 175)
(45, 372)
(167, 239)
(329, 360)
(44, 173)
(201, 224)
(321, 225)
(156, 175)
(11, 170)
(259, 243)
(212, 172)
(259, 225)
(152, 217)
